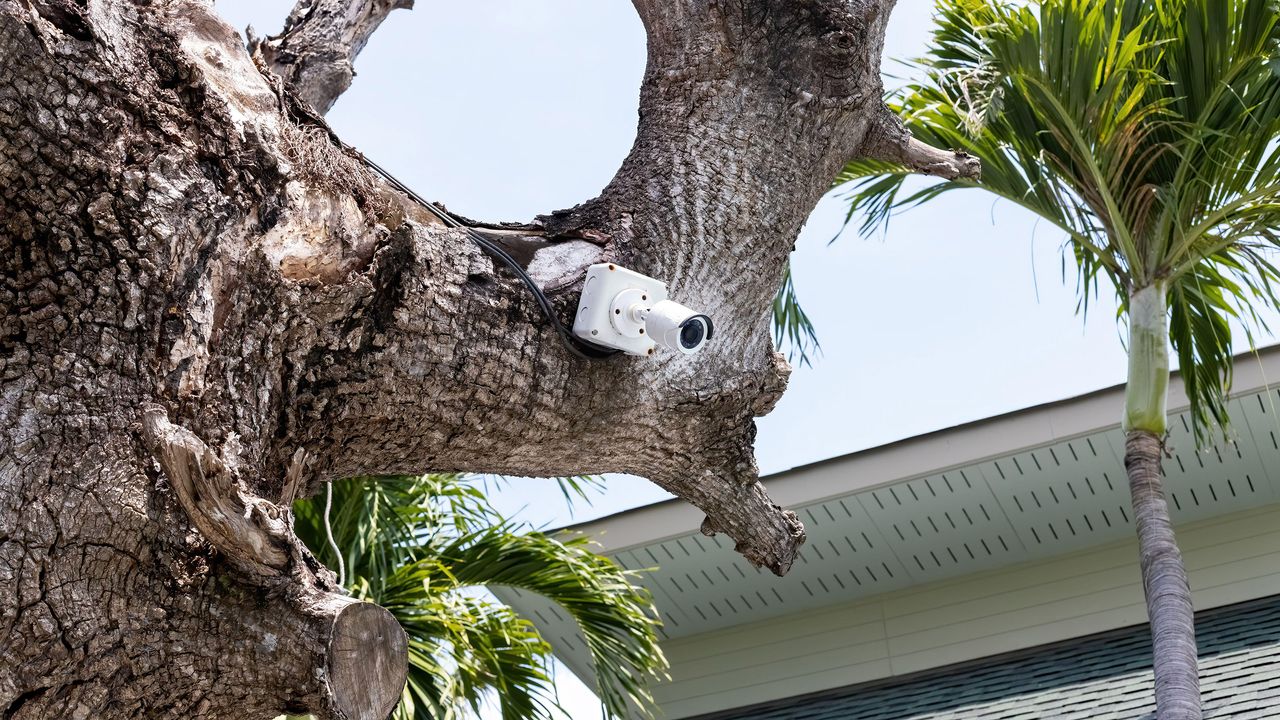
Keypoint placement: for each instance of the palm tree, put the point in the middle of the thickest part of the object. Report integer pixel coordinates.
(426, 547)
(1144, 130)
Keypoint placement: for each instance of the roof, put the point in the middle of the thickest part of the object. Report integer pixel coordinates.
(1016, 488)
(1101, 676)
(996, 437)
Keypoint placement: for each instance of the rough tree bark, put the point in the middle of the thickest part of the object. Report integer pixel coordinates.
(316, 51)
(1164, 583)
(209, 308)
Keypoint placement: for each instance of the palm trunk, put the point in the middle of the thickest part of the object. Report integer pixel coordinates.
(1164, 578)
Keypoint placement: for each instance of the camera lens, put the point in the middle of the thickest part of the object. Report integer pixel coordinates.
(676, 327)
(692, 332)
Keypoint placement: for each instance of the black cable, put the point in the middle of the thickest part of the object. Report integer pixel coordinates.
(575, 345)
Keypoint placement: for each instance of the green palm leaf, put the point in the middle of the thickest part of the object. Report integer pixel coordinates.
(425, 548)
(616, 618)
(792, 328)
(1144, 130)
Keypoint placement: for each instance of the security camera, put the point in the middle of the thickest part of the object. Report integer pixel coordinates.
(627, 311)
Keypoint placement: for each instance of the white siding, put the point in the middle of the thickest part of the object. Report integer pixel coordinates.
(1230, 559)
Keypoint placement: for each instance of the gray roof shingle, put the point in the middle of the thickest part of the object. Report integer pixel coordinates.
(1100, 677)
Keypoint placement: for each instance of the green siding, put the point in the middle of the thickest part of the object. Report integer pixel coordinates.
(1101, 676)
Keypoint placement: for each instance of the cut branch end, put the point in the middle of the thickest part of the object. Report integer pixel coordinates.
(367, 662)
(890, 141)
(950, 164)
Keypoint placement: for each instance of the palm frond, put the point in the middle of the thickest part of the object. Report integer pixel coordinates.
(1145, 130)
(426, 547)
(792, 328)
(616, 617)
(464, 649)
(579, 487)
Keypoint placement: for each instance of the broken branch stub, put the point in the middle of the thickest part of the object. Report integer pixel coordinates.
(366, 650)
(252, 533)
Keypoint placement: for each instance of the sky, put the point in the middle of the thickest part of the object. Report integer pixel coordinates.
(505, 109)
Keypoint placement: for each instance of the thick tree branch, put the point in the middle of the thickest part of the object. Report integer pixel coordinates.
(709, 200)
(316, 51)
(892, 142)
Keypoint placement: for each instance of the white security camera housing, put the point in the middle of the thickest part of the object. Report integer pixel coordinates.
(627, 311)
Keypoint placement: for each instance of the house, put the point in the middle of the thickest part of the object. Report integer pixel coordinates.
(985, 571)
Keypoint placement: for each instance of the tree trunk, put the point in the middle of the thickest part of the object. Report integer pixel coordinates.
(1164, 578)
(210, 307)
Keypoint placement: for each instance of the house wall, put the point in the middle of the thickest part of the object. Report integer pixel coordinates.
(1230, 559)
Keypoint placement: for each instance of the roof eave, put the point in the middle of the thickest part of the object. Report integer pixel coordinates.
(930, 453)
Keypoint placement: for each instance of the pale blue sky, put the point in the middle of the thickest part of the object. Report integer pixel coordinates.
(503, 109)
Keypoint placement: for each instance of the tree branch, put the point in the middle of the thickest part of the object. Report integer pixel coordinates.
(318, 46)
(889, 140)
(433, 358)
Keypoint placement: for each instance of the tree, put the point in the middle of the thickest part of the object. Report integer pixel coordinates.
(1145, 131)
(211, 308)
(420, 546)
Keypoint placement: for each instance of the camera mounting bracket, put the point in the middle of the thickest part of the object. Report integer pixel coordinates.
(612, 307)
